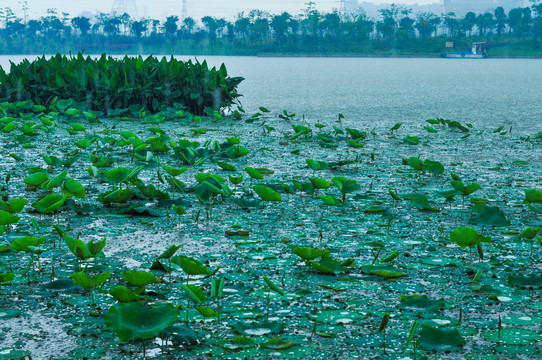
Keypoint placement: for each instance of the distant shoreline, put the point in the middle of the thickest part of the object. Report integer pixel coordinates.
(301, 55)
(412, 56)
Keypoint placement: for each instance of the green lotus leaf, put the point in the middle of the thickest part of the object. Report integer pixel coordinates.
(440, 339)
(255, 174)
(50, 203)
(56, 181)
(258, 328)
(308, 253)
(7, 219)
(533, 196)
(513, 336)
(421, 303)
(181, 334)
(123, 294)
(273, 286)
(532, 280)
(118, 175)
(133, 320)
(467, 237)
(382, 271)
(74, 188)
(194, 293)
(26, 243)
(267, 194)
(317, 165)
(191, 266)
(490, 216)
(35, 180)
(139, 278)
(241, 342)
(90, 282)
(169, 252)
(319, 183)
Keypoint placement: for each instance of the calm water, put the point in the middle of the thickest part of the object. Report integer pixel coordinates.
(498, 92)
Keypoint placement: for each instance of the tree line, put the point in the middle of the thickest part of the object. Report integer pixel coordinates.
(395, 29)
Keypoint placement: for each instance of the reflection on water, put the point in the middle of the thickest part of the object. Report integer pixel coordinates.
(365, 90)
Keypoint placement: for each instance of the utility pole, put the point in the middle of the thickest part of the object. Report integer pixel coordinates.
(184, 12)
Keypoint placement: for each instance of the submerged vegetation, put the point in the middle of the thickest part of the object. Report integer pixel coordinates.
(237, 236)
(130, 83)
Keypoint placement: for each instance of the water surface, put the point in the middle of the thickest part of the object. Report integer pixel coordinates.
(367, 90)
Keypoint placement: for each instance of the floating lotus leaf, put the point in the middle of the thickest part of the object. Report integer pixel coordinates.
(181, 334)
(490, 216)
(382, 271)
(513, 336)
(133, 320)
(531, 280)
(440, 339)
(421, 303)
(258, 328)
(241, 342)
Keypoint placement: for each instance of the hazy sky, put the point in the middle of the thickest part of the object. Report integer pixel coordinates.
(196, 8)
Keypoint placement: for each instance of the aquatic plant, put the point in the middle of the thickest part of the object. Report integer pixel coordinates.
(110, 84)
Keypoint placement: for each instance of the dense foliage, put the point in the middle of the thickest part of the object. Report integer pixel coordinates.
(107, 83)
(396, 30)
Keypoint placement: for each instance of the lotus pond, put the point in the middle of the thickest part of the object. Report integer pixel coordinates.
(266, 235)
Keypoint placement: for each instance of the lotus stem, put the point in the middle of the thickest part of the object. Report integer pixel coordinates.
(268, 301)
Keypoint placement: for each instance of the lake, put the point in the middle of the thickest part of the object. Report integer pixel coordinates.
(409, 90)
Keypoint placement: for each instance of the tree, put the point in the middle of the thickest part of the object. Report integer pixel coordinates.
(280, 26)
(189, 23)
(242, 25)
(451, 23)
(514, 20)
(82, 23)
(485, 22)
(468, 22)
(211, 25)
(139, 28)
(170, 26)
(500, 20)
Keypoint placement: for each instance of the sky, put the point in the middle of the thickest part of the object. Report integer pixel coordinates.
(159, 9)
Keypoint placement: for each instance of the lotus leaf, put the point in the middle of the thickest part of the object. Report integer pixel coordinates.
(440, 339)
(133, 320)
(490, 216)
(139, 278)
(267, 194)
(467, 237)
(421, 303)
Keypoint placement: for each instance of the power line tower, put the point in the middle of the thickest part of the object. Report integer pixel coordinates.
(125, 6)
(342, 7)
(184, 12)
